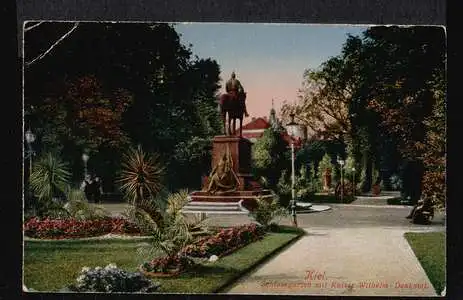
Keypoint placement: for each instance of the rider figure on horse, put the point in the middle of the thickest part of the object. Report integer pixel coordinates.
(234, 87)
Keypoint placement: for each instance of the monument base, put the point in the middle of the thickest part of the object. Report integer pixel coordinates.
(248, 198)
(247, 189)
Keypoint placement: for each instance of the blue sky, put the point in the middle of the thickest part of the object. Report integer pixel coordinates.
(269, 59)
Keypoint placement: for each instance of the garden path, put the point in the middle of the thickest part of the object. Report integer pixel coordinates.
(352, 261)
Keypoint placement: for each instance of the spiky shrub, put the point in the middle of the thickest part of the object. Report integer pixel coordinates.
(174, 235)
(267, 211)
(49, 179)
(141, 176)
(78, 207)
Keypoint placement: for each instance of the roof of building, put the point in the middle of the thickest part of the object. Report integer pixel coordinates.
(257, 123)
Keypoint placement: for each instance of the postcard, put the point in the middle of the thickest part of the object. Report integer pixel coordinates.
(234, 158)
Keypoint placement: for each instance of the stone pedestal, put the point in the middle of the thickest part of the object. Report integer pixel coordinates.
(248, 189)
(240, 150)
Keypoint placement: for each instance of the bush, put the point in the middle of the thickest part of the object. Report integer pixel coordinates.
(266, 211)
(347, 191)
(396, 182)
(81, 210)
(112, 280)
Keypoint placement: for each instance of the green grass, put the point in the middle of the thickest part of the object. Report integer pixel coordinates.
(50, 266)
(429, 248)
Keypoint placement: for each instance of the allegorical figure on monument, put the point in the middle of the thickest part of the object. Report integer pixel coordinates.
(234, 87)
(222, 178)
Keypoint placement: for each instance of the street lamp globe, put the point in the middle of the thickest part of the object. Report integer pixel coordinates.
(30, 137)
(340, 161)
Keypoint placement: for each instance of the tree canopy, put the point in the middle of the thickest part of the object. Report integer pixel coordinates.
(107, 85)
(376, 96)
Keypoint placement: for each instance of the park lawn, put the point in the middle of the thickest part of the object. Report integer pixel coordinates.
(50, 266)
(429, 248)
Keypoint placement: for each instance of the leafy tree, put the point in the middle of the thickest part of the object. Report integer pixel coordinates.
(303, 184)
(323, 100)
(325, 164)
(385, 80)
(159, 96)
(268, 156)
(434, 151)
(314, 180)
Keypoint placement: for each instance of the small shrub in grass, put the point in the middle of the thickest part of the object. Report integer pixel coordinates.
(111, 279)
(267, 210)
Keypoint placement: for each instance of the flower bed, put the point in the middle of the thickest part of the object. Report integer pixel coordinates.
(166, 266)
(225, 241)
(222, 243)
(72, 228)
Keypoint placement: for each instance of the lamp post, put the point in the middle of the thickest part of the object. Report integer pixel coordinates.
(296, 132)
(85, 158)
(341, 163)
(30, 138)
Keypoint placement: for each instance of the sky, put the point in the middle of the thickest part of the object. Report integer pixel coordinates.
(268, 59)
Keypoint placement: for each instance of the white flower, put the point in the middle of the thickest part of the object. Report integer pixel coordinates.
(85, 269)
(111, 266)
(213, 258)
(81, 278)
(97, 268)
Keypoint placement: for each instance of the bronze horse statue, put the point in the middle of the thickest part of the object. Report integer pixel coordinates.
(233, 105)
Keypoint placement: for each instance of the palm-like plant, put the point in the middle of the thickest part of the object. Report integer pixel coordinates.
(175, 232)
(49, 177)
(78, 207)
(141, 176)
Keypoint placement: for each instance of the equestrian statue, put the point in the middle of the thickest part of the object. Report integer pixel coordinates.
(233, 103)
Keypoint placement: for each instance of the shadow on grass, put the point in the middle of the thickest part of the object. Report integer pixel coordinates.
(206, 269)
(286, 229)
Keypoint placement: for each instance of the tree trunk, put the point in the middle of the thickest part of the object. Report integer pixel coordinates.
(368, 167)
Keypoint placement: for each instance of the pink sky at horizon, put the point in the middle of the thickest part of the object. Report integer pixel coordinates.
(268, 59)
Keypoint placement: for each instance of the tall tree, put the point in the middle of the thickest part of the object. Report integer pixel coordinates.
(269, 156)
(171, 96)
